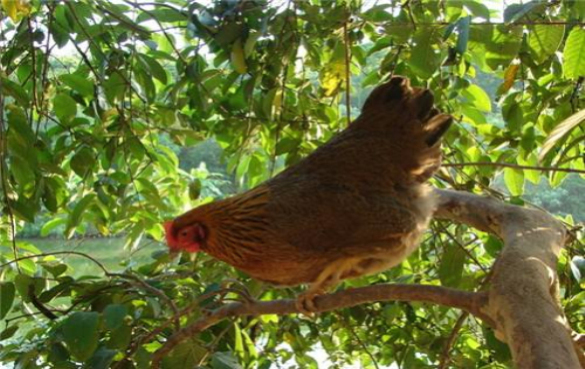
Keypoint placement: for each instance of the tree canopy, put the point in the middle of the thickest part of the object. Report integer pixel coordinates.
(101, 100)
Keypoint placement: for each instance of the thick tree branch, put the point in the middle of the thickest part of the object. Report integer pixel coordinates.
(523, 297)
(471, 302)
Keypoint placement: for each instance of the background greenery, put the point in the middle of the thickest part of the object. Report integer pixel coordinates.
(117, 115)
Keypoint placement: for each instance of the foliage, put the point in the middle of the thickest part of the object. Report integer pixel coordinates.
(99, 100)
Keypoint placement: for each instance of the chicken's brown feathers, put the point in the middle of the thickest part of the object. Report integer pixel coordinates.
(356, 205)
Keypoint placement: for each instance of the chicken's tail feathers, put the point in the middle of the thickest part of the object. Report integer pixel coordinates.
(408, 116)
(395, 104)
(435, 128)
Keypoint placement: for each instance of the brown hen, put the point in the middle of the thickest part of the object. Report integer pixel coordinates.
(356, 206)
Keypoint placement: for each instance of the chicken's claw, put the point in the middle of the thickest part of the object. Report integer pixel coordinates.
(305, 303)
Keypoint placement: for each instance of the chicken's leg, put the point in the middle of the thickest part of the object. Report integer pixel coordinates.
(327, 279)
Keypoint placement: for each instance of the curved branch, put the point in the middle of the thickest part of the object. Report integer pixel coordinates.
(471, 302)
(523, 297)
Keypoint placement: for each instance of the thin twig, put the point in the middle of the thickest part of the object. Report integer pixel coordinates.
(462, 247)
(445, 356)
(158, 330)
(91, 41)
(4, 177)
(161, 28)
(347, 48)
(360, 341)
(515, 166)
(17, 259)
(154, 291)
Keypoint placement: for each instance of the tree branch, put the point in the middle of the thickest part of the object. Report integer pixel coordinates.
(471, 302)
(523, 297)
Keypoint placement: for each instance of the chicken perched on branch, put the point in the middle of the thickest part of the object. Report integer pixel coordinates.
(356, 206)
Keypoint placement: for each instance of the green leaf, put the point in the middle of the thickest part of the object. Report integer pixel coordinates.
(149, 190)
(558, 178)
(52, 224)
(55, 193)
(451, 266)
(78, 83)
(22, 171)
(513, 115)
(65, 108)
(224, 360)
(25, 209)
(503, 46)
(243, 165)
(238, 58)
(163, 15)
(500, 349)
(10, 88)
(80, 332)
(378, 13)
(62, 289)
(144, 80)
(58, 353)
(574, 54)
(478, 98)
(114, 88)
(477, 8)
(23, 282)
(229, 33)
(251, 42)
(424, 59)
(56, 269)
(544, 40)
(516, 11)
(184, 354)
(7, 292)
(114, 315)
(195, 189)
(463, 37)
(83, 161)
(101, 359)
(493, 246)
(8, 332)
(382, 43)
(20, 128)
(531, 160)
(514, 179)
(120, 337)
(286, 145)
(77, 213)
(153, 66)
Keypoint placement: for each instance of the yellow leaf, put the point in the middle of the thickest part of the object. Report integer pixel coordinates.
(238, 58)
(333, 77)
(509, 78)
(277, 100)
(16, 9)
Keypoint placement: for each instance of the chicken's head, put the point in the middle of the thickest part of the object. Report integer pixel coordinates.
(188, 238)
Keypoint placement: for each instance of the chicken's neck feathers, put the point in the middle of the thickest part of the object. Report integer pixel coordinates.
(236, 225)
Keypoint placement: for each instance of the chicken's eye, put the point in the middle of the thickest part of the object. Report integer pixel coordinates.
(184, 233)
